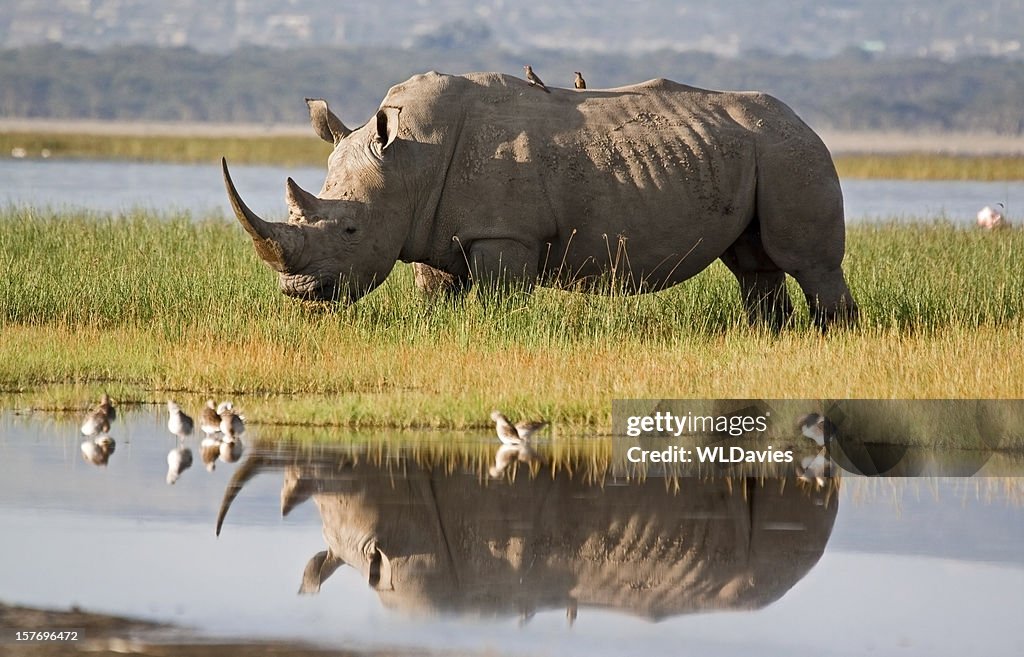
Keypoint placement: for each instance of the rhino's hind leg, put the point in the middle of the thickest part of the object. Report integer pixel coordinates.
(828, 297)
(762, 283)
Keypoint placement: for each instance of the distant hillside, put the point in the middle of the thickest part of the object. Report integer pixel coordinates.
(819, 28)
(853, 90)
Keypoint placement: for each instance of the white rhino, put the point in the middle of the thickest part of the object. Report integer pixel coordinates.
(486, 179)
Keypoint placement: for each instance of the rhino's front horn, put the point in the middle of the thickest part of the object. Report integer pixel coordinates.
(275, 243)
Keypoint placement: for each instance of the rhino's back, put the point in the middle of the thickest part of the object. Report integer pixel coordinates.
(656, 103)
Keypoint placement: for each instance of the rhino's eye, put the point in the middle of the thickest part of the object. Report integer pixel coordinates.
(350, 230)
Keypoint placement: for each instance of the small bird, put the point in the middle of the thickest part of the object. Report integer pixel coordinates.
(518, 434)
(993, 217)
(179, 459)
(209, 419)
(534, 81)
(97, 422)
(579, 82)
(231, 423)
(178, 423)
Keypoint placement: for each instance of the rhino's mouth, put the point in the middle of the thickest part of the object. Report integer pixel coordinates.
(311, 288)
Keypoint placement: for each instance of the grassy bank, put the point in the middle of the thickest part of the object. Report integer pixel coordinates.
(294, 150)
(146, 305)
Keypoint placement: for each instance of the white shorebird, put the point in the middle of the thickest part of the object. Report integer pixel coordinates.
(179, 459)
(993, 217)
(178, 422)
(209, 419)
(515, 434)
(97, 422)
(232, 424)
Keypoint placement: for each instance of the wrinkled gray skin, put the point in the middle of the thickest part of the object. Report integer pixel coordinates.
(431, 540)
(485, 179)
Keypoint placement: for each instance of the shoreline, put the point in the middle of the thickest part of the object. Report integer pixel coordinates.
(838, 141)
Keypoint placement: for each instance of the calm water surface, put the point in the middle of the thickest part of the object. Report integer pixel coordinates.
(120, 186)
(443, 557)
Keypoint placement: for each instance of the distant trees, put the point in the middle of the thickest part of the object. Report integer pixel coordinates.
(853, 90)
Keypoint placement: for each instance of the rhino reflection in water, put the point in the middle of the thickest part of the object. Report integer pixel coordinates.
(431, 540)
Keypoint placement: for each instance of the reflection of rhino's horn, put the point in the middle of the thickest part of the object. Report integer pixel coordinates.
(321, 566)
(243, 474)
(275, 242)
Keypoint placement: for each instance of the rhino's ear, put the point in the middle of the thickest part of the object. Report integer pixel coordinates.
(326, 125)
(387, 126)
(379, 574)
(320, 567)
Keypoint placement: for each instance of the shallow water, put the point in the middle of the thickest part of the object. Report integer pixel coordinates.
(122, 186)
(491, 565)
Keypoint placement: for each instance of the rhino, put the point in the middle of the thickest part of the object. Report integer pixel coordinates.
(429, 538)
(480, 178)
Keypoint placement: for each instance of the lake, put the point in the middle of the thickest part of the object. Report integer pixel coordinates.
(120, 186)
(532, 561)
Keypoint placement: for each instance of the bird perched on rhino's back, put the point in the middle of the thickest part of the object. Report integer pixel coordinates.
(579, 82)
(534, 79)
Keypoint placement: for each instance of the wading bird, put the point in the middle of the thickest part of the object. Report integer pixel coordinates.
(993, 217)
(97, 422)
(209, 419)
(178, 422)
(517, 434)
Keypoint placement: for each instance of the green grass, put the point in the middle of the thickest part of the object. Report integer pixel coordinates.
(299, 150)
(145, 305)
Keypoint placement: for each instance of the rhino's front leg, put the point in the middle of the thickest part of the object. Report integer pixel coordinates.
(434, 283)
(502, 266)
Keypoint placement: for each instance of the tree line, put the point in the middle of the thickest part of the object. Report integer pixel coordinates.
(853, 90)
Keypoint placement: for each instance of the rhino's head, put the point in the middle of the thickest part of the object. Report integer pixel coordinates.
(343, 243)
